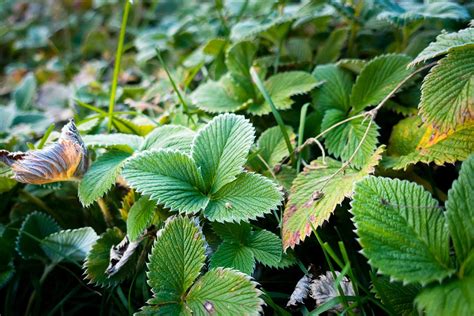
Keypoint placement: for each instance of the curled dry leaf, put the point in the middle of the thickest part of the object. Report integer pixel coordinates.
(65, 160)
(324, 288)
(301, 290)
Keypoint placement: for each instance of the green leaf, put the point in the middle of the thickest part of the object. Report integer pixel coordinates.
(335, 91)
(139, 217)
(175, 261)
(70, 244)
(232, 232)
(169, 136)
(266, 247)
(6, 273)
(281, 87)
(437, 10)
(377, 79)
(447, 94)
(396, 296)
(343, 140)
(217, 96)
(316, 192)
(331, 49)
(272, 147)
(101, 176)
(124, 142)
(220, 149)
(169, 177)
(248, 197)
(224, 292)
(232, 255)
(402, 230)
(239, 59)
(445, 42)
(413, 142)
(25, 92)
(98, 259)
(455, 297)
(460, 211)
(35, 227)
(242, 246)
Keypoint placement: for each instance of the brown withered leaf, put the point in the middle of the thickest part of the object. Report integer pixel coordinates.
(64, 160)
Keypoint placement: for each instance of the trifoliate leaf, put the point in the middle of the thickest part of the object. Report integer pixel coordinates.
(98, 259)
(35, 227)
(266, 247)
(455, 297)
(248, 197)
(281, 87)
(169, 136)
(343, 140)
(220, 149)
(460, 211)
(242, 246)
(124, 142)
(140, 216)
(335, 92)
(412, 141)
(444, 43)
(316, 192)
(169, 177)
(233, 255)
(101, 176)
(395, 296)
(377, 79)
(402, 230)
(447, 94)
(70, 244)
(175, 261)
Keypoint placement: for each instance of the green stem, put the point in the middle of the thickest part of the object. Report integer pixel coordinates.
(45, 136)
(118, 60)
(256, 79)
(175, 87)
(304, 110)
(331, 267)
(46, 271)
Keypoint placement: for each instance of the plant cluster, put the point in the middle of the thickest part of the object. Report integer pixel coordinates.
(237, 157)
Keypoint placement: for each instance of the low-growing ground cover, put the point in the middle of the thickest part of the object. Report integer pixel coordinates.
(236, 157)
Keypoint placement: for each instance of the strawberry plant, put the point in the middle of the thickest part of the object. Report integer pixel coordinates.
(237, 157)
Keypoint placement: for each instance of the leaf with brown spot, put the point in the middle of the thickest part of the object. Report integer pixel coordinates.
(316, 193)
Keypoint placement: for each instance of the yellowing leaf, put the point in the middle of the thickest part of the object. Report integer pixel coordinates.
(412, 141)
(315, 194)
